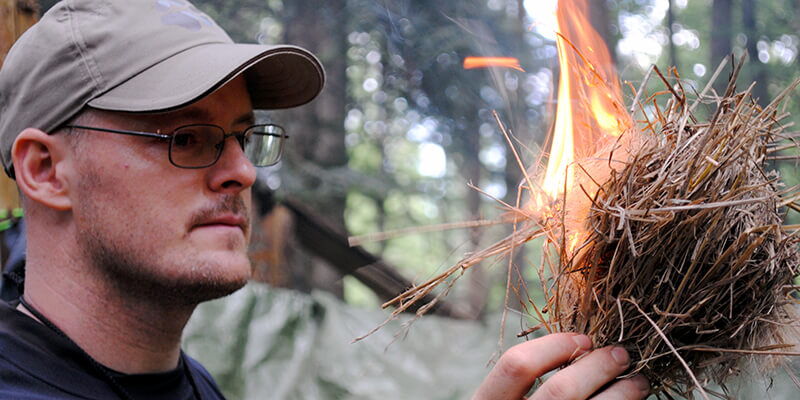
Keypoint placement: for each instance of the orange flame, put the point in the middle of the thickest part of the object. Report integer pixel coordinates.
(590, 114)
(589, 118)
(485, 62)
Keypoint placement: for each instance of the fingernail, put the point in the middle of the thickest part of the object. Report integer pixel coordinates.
(583, 341)
(641, 383)
(620, 355)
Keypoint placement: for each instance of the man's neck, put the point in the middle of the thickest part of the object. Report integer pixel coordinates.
(126, 335)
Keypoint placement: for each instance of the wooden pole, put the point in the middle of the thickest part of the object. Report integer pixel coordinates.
(16, 16)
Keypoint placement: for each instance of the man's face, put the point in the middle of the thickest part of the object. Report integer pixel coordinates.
(156, 231)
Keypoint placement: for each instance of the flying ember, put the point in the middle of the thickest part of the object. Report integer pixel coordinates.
(485, 62)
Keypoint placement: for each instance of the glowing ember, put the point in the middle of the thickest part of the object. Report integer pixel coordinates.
(485, 62)
(590, 114)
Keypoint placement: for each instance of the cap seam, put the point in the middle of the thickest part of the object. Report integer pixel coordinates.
(80, 45)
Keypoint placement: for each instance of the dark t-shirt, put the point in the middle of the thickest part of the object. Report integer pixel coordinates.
(37, 363)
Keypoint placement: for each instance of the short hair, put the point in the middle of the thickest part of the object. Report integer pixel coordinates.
(86, 117)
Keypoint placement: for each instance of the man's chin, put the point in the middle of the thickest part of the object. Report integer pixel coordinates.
(212, 280)
(197, 292)
(219, 238)
(189, 291)
(187, 284)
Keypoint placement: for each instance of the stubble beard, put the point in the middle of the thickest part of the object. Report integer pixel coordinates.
(137, 274)
(132, 275)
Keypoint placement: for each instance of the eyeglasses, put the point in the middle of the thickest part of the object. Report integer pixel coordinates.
(201, 145)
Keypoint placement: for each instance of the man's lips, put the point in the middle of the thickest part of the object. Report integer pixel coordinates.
(230, 220)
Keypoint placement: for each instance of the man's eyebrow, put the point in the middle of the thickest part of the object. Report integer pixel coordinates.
(202, 115)
(247, 118)
(198, 115)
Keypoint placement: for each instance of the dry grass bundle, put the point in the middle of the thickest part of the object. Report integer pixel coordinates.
(671, 244)
(685, 261)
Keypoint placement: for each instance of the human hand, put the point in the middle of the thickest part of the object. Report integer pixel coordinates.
(521, 365)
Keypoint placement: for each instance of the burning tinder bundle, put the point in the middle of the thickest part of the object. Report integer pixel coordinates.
(663, 235)
(683, 258)
(668, 241)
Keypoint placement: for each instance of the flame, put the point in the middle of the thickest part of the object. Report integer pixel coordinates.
(589, 116)
(562, 148)
(485, 62)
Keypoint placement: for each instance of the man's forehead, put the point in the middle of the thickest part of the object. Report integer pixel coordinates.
(202, 114)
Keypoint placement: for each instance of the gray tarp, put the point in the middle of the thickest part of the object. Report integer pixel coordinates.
(263, 343)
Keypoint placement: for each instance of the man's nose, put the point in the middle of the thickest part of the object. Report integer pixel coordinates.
(233, 171)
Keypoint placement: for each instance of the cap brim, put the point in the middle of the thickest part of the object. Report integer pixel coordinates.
(277, 77)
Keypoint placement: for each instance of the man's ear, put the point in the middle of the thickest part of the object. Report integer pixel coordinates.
(37, 159)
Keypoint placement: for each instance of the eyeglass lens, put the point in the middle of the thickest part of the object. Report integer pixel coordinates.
(263, 144)
(198, 146)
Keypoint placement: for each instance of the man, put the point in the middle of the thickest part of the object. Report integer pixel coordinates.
(129, 128)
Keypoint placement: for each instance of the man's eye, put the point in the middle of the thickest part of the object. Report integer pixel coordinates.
(184, 139)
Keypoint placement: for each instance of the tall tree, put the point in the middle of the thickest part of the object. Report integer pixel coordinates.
(525, 132)
(318, 128)
(673, 54)
(758, 70)
(599, 15)
(721, 16)
(472, 172)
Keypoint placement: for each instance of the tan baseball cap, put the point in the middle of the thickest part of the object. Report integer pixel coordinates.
(137, 56)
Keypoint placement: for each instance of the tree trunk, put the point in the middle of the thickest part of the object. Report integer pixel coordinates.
(720, 37)
(17, 17)
(317, 129)
(513, 174)
(673, 55)
(758, 70)
(599, 17)
(478, 276)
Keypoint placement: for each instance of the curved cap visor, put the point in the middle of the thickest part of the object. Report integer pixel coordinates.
(277, 77)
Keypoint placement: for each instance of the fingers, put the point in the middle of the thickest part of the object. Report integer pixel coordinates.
(626, 389)
(584, 378)
(521, 365)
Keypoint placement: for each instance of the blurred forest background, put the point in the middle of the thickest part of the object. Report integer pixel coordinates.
(402, 128)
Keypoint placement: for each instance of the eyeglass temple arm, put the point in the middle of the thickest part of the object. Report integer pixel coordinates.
(123, 132)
